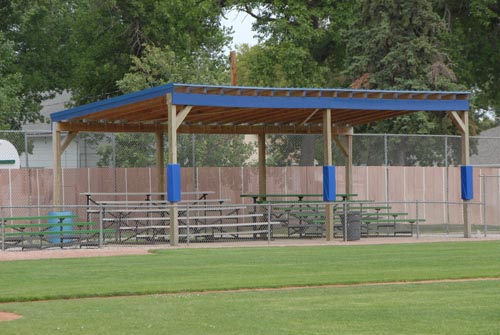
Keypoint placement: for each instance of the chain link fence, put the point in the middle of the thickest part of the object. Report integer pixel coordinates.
(148, 222)
(387, 168)
(138, 150)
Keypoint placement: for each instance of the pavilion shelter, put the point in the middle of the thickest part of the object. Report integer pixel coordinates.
(186, 108)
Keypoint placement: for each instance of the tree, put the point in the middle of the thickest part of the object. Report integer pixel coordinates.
(109, 32)
(302, 38)
(162, 65)
(302, 47)
(282, 65)
(473, 40)
(39, 31)
(399, 45)
(15, 109)
(84, 46)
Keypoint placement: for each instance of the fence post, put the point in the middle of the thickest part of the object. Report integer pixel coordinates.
(26, 150)
(418, 221)
(484, 207)
(447, 175)
(386, 154)
(187, 225)
(101, 233)
(345, 221)
(3, 229)
(268, 223)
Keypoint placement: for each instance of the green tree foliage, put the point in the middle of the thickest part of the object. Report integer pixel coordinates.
(399, 45)
(162, 65)
(473, 41)
(40, 33)
(302, 48)
(301, 38)
(108, 32)
(84, 46)
(15, 110)
(159, 66)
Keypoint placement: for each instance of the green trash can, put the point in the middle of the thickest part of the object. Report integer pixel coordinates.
(59, 239)
(353, 225)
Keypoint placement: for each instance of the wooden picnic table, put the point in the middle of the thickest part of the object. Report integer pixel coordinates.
(299, 196)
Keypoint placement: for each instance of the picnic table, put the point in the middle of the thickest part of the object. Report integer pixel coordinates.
(148, 196)
(17, 230)
(298, 196)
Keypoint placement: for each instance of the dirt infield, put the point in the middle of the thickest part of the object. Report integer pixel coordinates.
(72, 253)
(13, 255)
(5, 316)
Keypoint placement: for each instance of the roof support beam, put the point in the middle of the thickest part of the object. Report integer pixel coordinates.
(348, 165)
(67, 141)
(56, 148)
(328, 158)
(457, 121)
(342, 146)
(310, 116)
(182, 115)
(172, 159)
(346, 149)
(160, 162)
(262, 166)
(461, 121)
(201, 129)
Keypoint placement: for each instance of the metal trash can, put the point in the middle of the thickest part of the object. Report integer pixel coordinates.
(56, 238)
(353, 225)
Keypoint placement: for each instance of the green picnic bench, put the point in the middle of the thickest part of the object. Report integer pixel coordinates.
(392, 226)
(22, 231)
(373, 224)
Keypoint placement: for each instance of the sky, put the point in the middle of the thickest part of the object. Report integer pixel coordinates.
(242, 26)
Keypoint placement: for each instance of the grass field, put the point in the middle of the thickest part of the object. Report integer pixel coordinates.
(438, 308)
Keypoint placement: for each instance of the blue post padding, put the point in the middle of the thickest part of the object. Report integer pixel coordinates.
(173, 182)
(329, 183)
(467, 185)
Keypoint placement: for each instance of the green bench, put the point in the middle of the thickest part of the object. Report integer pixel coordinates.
(37, 232)
(311, 223)
(393, 226)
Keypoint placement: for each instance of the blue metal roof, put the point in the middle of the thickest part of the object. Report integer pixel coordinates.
(235, 105)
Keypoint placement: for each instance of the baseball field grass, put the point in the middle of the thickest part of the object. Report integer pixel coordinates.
(368, 289)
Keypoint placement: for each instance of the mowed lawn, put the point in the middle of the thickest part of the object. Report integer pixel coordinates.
(439, 308)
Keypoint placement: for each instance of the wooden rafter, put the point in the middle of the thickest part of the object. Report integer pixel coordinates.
(342, 146)
(67, 141)
(457, 121)
(182, 115)
(309, 116)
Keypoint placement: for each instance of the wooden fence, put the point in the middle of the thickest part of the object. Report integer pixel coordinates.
(379, 183)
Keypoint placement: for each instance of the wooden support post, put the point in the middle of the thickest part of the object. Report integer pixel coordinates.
(348, 165)
(328, 158)
(262, 164)
(172, 159)
(466, 161)
(346, 150)
(57, 170)
(461, 121)
(160, 162)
